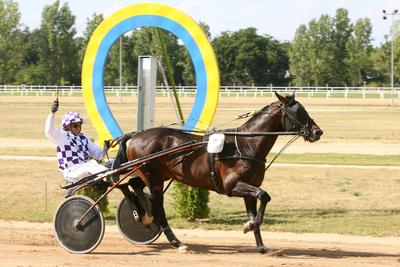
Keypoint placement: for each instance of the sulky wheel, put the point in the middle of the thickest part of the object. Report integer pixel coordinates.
(132, 230)
(82, 238)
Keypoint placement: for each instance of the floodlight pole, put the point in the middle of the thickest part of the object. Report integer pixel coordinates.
(120, 69)
(392, 14)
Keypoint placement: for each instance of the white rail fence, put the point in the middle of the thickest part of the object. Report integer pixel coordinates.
(225, 91)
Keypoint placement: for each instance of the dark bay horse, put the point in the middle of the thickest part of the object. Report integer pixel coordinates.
(239, 168)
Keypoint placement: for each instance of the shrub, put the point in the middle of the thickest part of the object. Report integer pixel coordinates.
(190, 203)
(94, 192)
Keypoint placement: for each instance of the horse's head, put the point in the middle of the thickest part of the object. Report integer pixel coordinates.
(296, 118)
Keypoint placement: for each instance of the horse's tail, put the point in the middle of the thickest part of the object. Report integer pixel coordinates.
(123, 142)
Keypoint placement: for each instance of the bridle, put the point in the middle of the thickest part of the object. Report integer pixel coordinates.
(293, 126)
(293, 123)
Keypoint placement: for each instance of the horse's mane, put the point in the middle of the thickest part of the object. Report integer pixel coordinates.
(256, 117)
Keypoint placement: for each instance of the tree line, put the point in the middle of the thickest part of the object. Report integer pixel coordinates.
(327, 51)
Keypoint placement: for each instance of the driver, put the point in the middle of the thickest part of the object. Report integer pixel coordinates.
(75, 151)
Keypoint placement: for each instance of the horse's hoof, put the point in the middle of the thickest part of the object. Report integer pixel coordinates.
(183, 249)
(249, 226)
(176, 244)
(147, 220)
(262, 249)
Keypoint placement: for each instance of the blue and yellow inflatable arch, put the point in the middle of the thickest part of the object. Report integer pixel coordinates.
(150, 15)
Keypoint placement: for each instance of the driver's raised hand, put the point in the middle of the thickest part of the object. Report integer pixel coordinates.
(54, 106)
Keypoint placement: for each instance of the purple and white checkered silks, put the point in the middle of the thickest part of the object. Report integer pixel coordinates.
(71, 117)
(76, 152)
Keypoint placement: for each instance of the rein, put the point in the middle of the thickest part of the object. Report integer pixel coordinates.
(298, 133)
(293, 120)
(291, 141)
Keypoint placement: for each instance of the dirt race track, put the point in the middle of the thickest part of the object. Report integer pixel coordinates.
(34, 244)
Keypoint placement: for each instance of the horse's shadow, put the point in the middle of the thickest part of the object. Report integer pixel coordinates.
(329, 253)
(285, 252)
(156, 249)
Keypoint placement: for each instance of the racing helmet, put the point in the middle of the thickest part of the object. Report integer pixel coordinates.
(69, 118)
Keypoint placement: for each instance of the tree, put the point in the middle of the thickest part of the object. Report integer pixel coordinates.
(383, 65)
(82, 42)
(188, 73)
(91, 25)
(247, 58)
(322, 52)
(57, 49)
(331, 51)
(342, 33)
(31, 72)
(380, 65)
(136, 43)
(112, 70)
(300, 63)
(250, 58)
(359, 50)
(141, 42)
(396, 56)
(225, 49)
(10, 41)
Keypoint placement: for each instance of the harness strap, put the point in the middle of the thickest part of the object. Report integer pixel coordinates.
(212, 157)
(260, 161)
(214, 179)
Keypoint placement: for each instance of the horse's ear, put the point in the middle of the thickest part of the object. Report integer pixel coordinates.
(282, 99)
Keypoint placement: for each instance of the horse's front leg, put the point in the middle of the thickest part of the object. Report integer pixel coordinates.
(253, 193)
(251, 208)
(157, 194)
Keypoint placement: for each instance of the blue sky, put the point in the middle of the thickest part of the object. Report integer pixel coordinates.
(278, 18)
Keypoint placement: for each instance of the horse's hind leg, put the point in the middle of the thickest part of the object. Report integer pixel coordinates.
(243, 189)
(157, 194)
(251, 208)
(137, 185)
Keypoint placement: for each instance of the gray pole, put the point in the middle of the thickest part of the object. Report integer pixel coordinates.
(392, 14)
(391, 62)
(147, 81)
